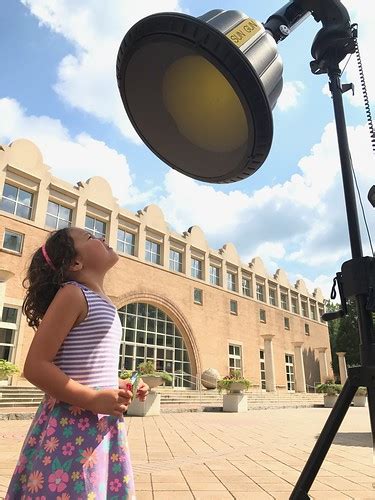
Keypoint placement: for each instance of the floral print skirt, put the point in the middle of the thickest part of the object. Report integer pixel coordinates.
(72, 454)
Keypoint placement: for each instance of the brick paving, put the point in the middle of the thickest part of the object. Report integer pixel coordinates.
(256, 455)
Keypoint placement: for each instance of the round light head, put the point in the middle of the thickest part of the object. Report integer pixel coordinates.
(193, 96)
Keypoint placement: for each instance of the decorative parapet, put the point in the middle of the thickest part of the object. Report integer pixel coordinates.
(24, 159)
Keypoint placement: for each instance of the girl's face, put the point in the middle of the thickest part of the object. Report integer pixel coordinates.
(93, 253)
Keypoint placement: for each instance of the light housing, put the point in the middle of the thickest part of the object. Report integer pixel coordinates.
(194, 97)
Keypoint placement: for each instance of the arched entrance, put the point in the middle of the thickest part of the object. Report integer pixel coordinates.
(150, 334)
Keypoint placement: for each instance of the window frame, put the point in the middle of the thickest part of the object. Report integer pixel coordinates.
(94, 231)
(173, 261)
(126, 244)
(214, 276)
(260, 296)
(244, 287)
(22, 237)
(150, 252)
(235, 357)
(233, 310)
(198, 292)
(262, 315)
(231, 281)
(17, 202)
(196, 271)
(57, 217)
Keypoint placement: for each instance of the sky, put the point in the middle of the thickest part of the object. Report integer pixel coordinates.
(58, 88)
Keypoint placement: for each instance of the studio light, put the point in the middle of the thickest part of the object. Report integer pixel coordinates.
(200, 93)
(371, 196)
(193, 95)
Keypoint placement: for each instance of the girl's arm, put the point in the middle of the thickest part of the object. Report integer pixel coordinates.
(67, 309)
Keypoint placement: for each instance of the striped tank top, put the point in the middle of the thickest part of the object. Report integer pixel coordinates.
(89, 353)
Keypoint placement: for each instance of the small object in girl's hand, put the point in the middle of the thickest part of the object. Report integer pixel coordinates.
(132, 381)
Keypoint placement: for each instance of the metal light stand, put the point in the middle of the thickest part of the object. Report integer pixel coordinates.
(357, 276)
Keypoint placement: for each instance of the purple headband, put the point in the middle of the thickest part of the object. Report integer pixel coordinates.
(46, 258)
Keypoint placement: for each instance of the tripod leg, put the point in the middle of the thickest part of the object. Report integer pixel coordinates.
(323, 443)
(371, 409)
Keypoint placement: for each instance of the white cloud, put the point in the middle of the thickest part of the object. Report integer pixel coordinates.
(298, 224)
(87, 77)
(290, 95)
(70, 158)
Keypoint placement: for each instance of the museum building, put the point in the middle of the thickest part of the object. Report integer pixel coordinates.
(182, 304)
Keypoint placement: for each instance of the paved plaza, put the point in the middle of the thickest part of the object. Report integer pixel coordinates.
(218, 456)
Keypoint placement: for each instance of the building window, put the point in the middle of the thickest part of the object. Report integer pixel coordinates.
(286, 323)
(313, 311)
(57, 216)
(305, 311)
(260, 292)
(321, 312)
(196, 268)
(284, 301)
(295, 308)
(175, 261)
(13, 241)
(17, 201)
(8, 332)
(246, 290)
(152, 252)
(214, 275)
(125, 242)
(198, 296)
(289, 368)
(233, 306)
(235, 358)
(262, 370)
(231, 282)
(148, 334)
(262, 316)
(273, 296)
(95, 226)
(307, 329)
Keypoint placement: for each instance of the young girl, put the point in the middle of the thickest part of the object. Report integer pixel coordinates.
(76, 447)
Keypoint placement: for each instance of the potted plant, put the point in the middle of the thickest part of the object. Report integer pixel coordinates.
(360, 397)
(331, 390)
(7, 369)
(149, 375)
(233, 383)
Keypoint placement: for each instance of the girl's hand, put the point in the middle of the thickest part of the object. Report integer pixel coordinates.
(142, 390)
(111, 402)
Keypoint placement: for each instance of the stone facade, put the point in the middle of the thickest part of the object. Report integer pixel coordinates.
(225, 320)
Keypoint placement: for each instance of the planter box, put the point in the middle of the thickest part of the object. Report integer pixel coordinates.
(359, 400)
(146, 408)
(329, 401)
(235, 403)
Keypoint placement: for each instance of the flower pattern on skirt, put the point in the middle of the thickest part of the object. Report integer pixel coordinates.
(72, 454)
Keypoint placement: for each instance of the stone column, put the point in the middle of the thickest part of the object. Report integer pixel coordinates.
(300, 380)
(323, 368)
(165, 251)
(342, 367)
(206, 267)
(141, 242)
(269, 364)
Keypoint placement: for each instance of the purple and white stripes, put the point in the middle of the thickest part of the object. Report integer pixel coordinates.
(90, 351)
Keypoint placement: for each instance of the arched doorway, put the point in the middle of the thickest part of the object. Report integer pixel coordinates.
(148, 333)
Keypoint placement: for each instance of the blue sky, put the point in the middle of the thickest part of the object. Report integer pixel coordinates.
(58, 88)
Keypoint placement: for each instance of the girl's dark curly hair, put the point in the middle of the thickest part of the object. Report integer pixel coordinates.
(43, 280)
